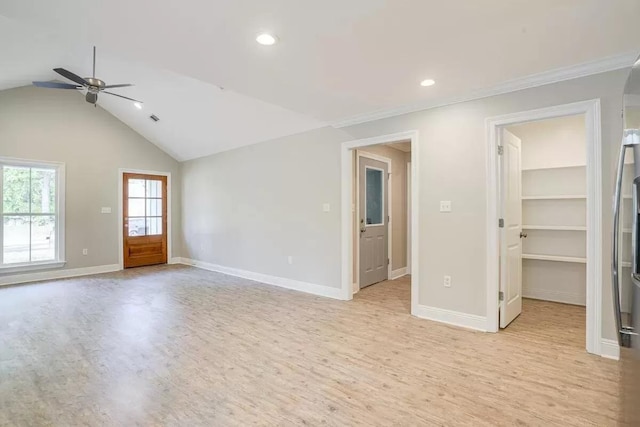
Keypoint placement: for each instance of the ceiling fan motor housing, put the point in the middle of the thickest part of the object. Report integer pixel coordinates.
(92, 97)
(97, 83)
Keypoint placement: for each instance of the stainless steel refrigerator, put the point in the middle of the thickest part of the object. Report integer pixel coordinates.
(626, 253)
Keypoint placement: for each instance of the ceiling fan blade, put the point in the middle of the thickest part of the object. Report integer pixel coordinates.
(120, 96)
(69, 75)
(122, 85)
(56, 85)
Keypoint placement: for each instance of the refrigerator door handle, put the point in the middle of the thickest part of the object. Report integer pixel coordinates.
(623, 339)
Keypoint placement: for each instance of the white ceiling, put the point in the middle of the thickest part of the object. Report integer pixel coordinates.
(336, 58)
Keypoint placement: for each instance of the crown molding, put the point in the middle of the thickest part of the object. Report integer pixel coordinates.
(584, 69)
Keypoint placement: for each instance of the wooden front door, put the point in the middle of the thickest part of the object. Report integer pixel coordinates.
(144, 219)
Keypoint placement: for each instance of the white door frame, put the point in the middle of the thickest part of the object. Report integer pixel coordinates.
(408, 207)
(121, 173)
(591, 111)
(347, 208)
(387, 161)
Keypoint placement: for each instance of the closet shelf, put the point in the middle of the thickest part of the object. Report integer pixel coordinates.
(556, 258)
(567, 197)
(555, 227)
(554, 168)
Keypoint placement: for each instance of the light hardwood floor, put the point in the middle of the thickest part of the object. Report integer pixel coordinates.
(175, 345)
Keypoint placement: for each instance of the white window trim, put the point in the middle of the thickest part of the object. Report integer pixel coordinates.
(60, 216)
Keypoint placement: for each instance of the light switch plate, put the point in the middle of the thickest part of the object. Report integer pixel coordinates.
(105, 210)
(445, 206)
(326, 207)
(447, 281)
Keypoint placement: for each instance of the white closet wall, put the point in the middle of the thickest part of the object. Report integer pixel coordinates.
(554, 188)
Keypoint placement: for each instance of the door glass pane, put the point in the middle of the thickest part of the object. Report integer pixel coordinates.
(16, 239)
(43, 244)
(15, 189)
(136, 188)
(154, 226)
(154, 188)
(137, 227)
(43, 188)
(374, 196)
(136, 207)
(154, 207)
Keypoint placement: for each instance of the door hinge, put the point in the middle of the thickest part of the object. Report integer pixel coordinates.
(500, 150)
(500, 296)
(387, 261)
(501, 222)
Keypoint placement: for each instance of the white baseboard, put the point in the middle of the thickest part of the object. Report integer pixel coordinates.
(176, 260)
(56, 274)
(609, 349)
(296, 285)
(555, 296)
(455, 318)
(396, 274)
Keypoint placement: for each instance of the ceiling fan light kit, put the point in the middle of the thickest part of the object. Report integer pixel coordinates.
(93, 85)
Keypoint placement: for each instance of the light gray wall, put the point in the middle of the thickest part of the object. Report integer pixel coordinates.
(250, 208)
(57, 125)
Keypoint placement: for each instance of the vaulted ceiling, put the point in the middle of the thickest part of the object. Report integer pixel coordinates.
(197, 66)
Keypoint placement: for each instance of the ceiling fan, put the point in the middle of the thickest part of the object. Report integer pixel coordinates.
(93, 85)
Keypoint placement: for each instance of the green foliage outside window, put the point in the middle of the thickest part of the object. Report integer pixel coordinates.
(27, 191)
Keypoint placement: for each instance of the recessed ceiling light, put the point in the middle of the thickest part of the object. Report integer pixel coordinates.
(427, 82)
(266, 39)
(138, 105)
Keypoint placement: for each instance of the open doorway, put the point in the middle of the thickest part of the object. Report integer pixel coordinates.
(548, 225)
(381, 227)
(544, 196)
(379, 215)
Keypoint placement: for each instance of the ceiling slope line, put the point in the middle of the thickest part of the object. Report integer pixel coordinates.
(610, 63)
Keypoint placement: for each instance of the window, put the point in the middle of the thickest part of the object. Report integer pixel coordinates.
(31, 223)
(374, 196)
(144, 207)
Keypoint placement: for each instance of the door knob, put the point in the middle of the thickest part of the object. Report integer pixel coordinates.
(523, 235)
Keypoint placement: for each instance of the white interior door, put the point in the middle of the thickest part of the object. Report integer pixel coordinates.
(511, 233)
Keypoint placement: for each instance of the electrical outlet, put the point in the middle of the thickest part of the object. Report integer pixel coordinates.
(290, 260)
(105, 210)
(447, 281)
(445, 206)
(85, 251)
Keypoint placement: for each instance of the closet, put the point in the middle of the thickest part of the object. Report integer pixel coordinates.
(554, 209)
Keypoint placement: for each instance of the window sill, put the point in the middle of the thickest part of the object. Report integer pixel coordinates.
(17, 268)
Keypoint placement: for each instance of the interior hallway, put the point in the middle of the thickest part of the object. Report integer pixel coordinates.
(182, 346)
